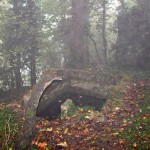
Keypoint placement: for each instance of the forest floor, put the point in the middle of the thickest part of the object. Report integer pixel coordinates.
(122, 125)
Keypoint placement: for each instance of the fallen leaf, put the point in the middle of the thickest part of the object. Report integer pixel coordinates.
(38, 127)
(115, 134)
(135, 145)
(85, 132)
(66, 131)
(117, 108)
(121, 141)
(45, 123)
(121, 129)
(92, 142)
(49, 129)
(124, 125)
(34, 143)
(87, 117)
(39, 137)
(42, 145)
(63, 144)
(144, 117)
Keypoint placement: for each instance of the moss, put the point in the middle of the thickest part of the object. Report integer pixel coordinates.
(30, 114)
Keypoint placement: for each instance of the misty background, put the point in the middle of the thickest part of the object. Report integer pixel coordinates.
(42, 34)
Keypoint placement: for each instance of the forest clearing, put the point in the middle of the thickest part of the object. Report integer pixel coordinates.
(74, 74)
(122, 123)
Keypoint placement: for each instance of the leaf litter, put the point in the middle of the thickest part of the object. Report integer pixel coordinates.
(90, 133)
(123, 127)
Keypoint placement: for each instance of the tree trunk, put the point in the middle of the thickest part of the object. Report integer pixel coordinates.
(33, 45)
(79, 53)
(104, 33)
(33, 66)
(18, 74)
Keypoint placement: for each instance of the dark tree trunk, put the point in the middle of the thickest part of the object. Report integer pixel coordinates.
(79, 52)
(95, 46)
(104, 34)
(33, 66)
(12, 76)
(33, 45)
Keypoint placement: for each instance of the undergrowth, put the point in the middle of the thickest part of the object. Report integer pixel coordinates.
(10, 125)
(137, 136)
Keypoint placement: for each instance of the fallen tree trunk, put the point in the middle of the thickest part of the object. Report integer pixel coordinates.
(81, 93)
(84, 87)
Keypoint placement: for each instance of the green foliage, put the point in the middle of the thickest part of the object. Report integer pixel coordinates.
(30, 114)
(72, 108)
(138, 134)
(118, 92)
(10, 124)
(76, 111)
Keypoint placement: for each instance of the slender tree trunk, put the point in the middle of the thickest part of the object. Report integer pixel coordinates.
(104, 33)
(18, 74)
(12, 74)
(95, 46)
(34, 48)
(33, 65)
(79, 52)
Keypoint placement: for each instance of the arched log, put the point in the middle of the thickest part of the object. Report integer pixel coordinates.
(84, 87)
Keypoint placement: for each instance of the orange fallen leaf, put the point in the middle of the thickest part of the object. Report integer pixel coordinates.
(38, 127)
(85, 132)
(42, 145)
(124, 125)
(121, 141)
(45, 123)
(111, 115)
(115, 134)
(121, 129)
(144, 117)
(39, 137)
(135, 145)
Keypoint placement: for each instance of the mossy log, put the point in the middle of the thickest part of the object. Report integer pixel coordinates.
(85, 87)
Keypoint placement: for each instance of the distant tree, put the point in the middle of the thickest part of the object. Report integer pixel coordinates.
(104, 33)
(20, 43)
(133, 34)
(27, 18)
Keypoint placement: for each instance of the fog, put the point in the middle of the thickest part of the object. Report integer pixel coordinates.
(92, 53)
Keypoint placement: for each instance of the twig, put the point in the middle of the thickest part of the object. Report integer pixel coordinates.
(95, 46)
(7, 135)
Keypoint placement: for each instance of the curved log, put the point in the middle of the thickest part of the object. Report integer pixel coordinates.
(84, 87)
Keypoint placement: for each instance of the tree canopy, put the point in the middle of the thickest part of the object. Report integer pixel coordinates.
(36, 35)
